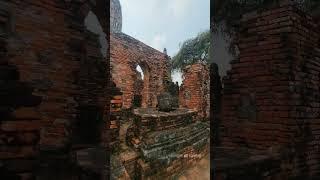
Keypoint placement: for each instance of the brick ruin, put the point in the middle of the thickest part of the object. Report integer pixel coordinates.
(115, 116)
(53, 84)
(126, 53)
(194, 91)
(60, 111)
(268, 126)
(154, 144)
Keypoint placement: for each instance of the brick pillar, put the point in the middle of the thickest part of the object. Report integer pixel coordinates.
(271, 94)
(194, 91)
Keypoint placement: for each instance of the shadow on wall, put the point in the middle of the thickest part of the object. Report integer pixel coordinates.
(93, 25)
(220, 53)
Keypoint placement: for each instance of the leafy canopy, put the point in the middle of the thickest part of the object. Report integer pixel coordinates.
(193, 50)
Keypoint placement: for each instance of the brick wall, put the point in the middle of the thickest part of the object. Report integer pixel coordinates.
(115, 116)
(126, 53)
(56, 67)
(271, 95)
(194, 91)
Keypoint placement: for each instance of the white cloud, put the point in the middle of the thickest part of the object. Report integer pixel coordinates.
(164, 23)
(158, 42)
(132, 7)
(180, 8)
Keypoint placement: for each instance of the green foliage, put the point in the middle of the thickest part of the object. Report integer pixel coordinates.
(192, 51)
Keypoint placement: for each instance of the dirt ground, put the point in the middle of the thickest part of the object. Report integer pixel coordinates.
(199, 172)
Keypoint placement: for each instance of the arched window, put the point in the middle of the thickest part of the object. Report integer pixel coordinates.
(139, 69)
(138, 87)
(177, 76)
(141, 85)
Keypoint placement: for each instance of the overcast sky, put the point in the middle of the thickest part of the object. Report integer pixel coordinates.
(165, 23)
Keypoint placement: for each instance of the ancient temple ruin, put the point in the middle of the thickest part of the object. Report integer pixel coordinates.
(160, 133)
(266, 117)
(64, 106)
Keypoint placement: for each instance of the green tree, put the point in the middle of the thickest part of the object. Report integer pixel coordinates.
(193, 50)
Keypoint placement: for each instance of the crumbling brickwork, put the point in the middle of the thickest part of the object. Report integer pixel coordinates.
(194, 91)
(167, 142)
(270, 99)
(55, 67)
(20, 122)
(126, 53)
(115, 116)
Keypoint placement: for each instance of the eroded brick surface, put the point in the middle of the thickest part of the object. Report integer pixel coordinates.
(126, 53)
(167, 142)
(52, 67)
(270, 101)
(194, 91)
(115, 117)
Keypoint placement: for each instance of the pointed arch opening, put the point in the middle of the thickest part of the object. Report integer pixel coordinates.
(141, 85)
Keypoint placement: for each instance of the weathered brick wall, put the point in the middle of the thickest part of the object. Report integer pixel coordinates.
(194, 91)
(168, 143)
(20, 122)
(115, 116)
(238, 163)
(186, 159)
(271, 95)
(53, 54)
(126, 53)
(151, 120)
